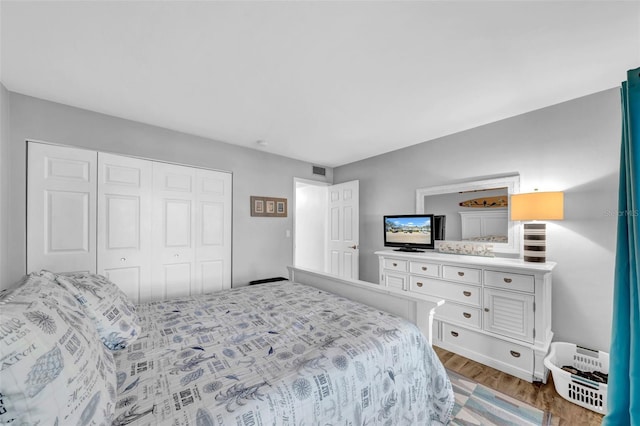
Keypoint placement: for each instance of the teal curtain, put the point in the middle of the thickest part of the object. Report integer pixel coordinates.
(623, 398)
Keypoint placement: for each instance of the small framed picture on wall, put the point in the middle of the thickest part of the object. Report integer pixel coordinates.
(258, 206)
(271, 206)
(268, 206)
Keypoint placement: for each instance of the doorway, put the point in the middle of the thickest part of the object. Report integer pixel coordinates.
(310, 224)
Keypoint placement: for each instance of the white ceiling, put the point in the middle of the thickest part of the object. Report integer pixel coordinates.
(329, 82)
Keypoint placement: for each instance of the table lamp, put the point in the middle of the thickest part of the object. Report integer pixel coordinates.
(536, 206)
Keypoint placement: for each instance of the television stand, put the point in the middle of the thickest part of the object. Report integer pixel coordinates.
(409, 250)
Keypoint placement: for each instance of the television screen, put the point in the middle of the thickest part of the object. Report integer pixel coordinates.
(409, 232)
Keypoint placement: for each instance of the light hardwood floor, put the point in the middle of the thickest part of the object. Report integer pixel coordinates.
(541, 396)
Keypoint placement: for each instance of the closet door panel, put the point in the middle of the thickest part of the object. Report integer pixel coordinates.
(61, 195)
(177, 279)
(212, 219)
(177, 223)
(213, 230)
(212, 276)
(124, 228)
(123, 221)
(68, 222)
(173, 258)
(130, 280)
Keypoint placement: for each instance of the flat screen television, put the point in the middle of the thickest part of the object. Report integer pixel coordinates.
(409, 232)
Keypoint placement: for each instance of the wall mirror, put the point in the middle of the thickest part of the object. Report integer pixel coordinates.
(475, 211)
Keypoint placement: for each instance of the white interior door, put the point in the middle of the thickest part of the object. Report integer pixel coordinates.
(61, 199)
(124, 223)
(173, 254)
(213, 231)
(343, 230)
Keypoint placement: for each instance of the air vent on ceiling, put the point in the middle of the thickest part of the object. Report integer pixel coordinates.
(319, 171)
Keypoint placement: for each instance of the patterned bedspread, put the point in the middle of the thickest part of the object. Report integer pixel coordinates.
(278, 354)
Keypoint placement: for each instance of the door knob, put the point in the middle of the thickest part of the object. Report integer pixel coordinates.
(355, 246)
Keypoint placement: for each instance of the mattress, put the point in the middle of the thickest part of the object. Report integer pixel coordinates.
(277, 354)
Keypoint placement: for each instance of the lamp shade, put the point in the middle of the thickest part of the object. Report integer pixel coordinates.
(537, 206)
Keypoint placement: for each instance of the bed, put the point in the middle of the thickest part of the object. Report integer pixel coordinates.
(281, 353)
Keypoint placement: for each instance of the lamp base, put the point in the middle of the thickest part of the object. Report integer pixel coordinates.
(535, 242)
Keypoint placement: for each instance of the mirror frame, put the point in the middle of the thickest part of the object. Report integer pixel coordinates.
(511, 182)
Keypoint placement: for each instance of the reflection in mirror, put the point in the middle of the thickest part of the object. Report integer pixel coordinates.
(475, 211)
(472, 215)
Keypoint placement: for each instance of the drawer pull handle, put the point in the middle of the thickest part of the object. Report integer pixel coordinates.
(424, 268)
(466, 314)
(466, 293)
(507, 280)
(461, 274)
(515, 354)
(486, 309)
(395, 264)
(454, 333)
(419, 284)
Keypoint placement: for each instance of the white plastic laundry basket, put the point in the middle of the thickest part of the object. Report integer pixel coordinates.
(579, 390)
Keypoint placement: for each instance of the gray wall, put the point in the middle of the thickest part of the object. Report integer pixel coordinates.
(572, 147)
(4, 187)
(261, 248)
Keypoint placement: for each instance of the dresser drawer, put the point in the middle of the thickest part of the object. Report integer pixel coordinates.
(463, 275)
(466, 315)
(467, 294)
(395, 265)
(426, 269)
(509, 281)
(502, 352)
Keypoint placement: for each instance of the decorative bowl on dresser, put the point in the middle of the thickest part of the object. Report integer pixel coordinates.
(497, 310)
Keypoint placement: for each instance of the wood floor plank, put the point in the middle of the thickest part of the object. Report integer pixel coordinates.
(542, 396)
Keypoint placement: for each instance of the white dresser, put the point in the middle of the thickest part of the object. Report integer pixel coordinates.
(497, 310)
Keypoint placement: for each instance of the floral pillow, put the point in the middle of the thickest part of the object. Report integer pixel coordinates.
(54, 369)
(114, 315)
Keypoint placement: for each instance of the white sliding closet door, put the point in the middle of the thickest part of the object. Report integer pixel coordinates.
(157, 230)
(173, 253)
(124, 223)
(213, 231)
(192, 231)
(61, 216)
